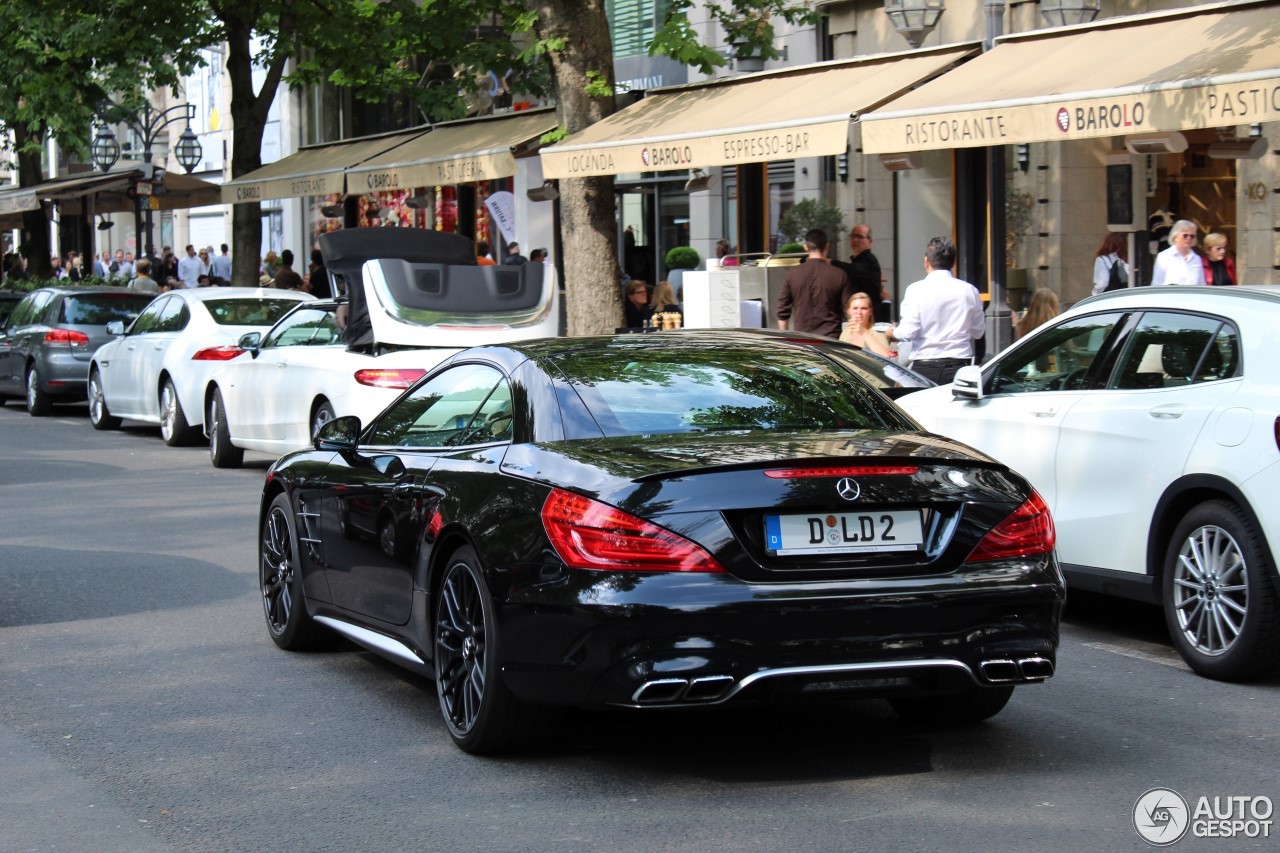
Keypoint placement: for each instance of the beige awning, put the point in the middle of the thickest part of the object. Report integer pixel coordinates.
(454, 153)
(19, 199)
(777, 115)
(1204, 67)
(316, 170)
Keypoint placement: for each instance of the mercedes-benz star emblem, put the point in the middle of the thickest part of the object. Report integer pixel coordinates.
(848, 489)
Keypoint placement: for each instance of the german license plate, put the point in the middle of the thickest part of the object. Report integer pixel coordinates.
(843, 532)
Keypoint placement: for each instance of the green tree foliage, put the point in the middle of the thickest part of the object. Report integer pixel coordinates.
(747, 25)
(376, 49)
(61, 60)
(809, 214)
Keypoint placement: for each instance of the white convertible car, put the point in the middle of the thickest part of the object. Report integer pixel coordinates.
(416, 297)
(156, 371)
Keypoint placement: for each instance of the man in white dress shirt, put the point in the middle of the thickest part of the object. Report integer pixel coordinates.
(190, 268)
(941, 316)
(1179, 264)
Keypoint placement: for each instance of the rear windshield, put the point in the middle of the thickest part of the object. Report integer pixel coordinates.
(99, 309)
(642, 391)
(248, 310)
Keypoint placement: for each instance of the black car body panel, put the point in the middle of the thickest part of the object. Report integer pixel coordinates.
(377, 524)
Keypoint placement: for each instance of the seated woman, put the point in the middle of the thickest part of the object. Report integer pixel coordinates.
(664, 302)
(858, 331)
(636, 305)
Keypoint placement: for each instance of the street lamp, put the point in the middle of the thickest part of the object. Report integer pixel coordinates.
(148, 124)
(105, 151)
(1065, 13)
(914, 19)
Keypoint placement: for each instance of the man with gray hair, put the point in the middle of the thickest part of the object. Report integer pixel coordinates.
(941, 316)
(1179, 264)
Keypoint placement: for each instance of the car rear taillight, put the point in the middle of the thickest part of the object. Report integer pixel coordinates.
(588, 534)
(1028, 530)
(389, 377)
(66, 337)
(844, 471)
(225, 353)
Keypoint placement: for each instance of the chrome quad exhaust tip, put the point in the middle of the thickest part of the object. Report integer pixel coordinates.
(1017, 671)
(671, 691)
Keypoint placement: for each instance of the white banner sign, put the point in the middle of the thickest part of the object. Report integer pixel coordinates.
(502, 208)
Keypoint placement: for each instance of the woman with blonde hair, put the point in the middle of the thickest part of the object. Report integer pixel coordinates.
(1219, 268)
(858, 331)
(664, 298)
(270, 265)
(1043, 308)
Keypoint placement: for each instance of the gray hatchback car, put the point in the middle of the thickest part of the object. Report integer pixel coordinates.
(46, 343)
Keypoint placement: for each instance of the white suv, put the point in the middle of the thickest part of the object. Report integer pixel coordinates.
(1148, 419)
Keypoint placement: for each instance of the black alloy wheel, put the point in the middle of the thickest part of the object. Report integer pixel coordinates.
(99, 415)
(280, 579)
(38, 402)
(480, 712)
(973, 706)
(222, 453)
(1219, 596)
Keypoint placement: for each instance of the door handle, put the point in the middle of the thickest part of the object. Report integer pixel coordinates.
(1047, 412)
(280, 364)
(406, 488)
(1169, 411)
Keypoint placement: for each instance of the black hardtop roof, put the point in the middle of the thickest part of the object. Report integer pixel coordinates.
(350, 247)
(345, 252)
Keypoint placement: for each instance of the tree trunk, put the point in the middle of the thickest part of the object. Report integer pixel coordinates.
(35, 245)
(587, 206)
(249, 120)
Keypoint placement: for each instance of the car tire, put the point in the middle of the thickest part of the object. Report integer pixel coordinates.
(38, 402)
(481, 714)
(974, 706)
(222, 453)
(99, 415)
(1219, 595)
(174, 428)
(284, 602)
(323, 414)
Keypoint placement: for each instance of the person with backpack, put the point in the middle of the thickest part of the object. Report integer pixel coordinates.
(1111, 270)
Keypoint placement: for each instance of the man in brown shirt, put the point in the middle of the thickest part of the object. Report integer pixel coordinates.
(814, 294)
(287, 278)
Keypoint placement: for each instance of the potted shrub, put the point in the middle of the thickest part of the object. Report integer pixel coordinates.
(679, 259)
(808, 214)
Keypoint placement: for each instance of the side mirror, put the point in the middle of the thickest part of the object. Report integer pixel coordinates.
(116, 328)
(251, 341)
(340, 435)
(967, 384)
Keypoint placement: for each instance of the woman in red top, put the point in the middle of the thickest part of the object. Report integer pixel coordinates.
(1219, 268)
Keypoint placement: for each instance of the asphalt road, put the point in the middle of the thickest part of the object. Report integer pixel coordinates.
(143, 708)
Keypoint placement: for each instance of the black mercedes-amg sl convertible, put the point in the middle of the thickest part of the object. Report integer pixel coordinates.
(659, 521)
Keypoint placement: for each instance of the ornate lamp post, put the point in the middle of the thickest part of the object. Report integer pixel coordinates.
(914, 19)
(1064, 13)
(148, 124)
